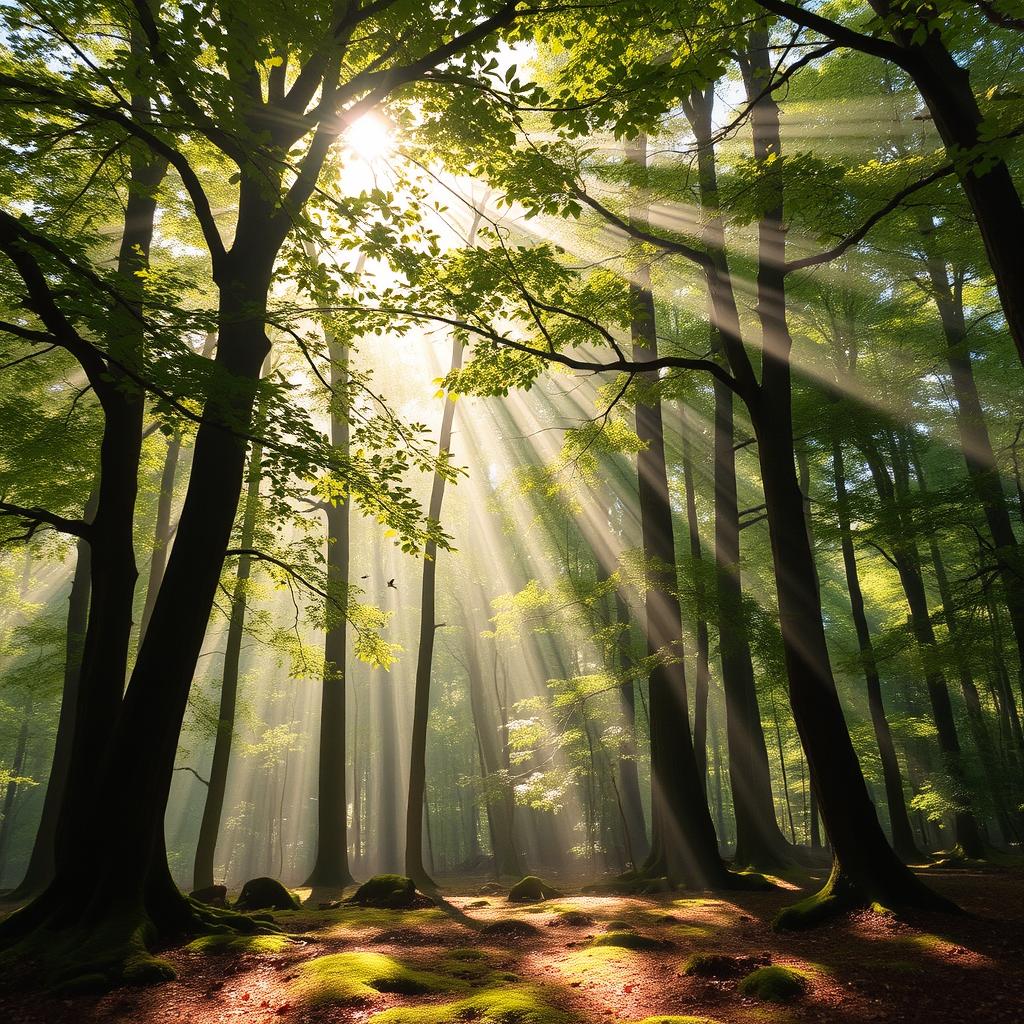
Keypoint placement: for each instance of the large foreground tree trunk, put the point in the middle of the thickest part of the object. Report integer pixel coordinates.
(865, 869)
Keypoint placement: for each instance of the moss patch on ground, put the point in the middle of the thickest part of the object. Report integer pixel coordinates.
(358, 976)
(214, 944)
(774, 984)
(504, 1005)
(675, 1020)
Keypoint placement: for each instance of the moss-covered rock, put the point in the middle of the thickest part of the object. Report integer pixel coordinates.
(629, 940)
(509, 927)
(213, 944)
(390, 892)
(574, 919)
(532, 889)
(505, 1005)
(265, 894)
(774, 984)
(356, 977)
(211, 895)
(721, 965)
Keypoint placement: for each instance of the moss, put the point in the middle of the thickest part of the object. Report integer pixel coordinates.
(774, 984)
(628, 940)
(618, 925)
(493, 1006)
(675, 1020)
(532, 889)
(358, 977)
(718, 965)
(830, 901)
(391, 892)
(509, 928)
(265, 894)
(239, 944)
(574, 918)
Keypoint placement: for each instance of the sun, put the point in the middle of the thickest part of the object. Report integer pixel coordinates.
(369, 138)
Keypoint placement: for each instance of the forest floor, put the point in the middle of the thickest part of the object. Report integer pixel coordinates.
(438, 965)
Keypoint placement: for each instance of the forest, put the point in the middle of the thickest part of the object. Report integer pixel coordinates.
(511, 511)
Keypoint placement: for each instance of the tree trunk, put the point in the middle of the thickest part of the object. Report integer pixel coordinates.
(213, 807)
(899, 820)
(975, 441)
(684, 847)
(41, 862)
(865, 869)
(907, 560)
(331, 867)
(415, 807)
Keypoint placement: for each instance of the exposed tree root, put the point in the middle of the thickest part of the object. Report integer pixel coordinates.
(102, 948)
(841, 895)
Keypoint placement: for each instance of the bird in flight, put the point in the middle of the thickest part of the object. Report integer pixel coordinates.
(391, 583)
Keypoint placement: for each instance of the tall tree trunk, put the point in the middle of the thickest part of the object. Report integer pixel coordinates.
(331, 867)
(216, 789)
(13, 786)
(40, 865)
(702, 682)
(975, 441)
(907, 559)
(415, 808)
(626, 766)
(865, 869)
(899, 820)
(759, 841)
(684, 847)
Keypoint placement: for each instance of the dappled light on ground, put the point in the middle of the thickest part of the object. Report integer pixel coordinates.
(581, 958)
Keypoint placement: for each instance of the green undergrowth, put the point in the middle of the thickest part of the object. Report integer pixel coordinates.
(774, 984)
(356, 977)
(504, 1005)
(214, 944)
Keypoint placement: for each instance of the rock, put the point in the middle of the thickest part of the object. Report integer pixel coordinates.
(721, 966)
(774, 985)
(265, 894)
(532, 889)
(390, 892)
(212, 895)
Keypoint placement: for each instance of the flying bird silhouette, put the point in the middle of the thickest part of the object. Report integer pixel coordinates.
(391, 583)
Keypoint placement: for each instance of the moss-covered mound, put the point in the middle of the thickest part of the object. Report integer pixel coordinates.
(628, 940)
(213, 944)
(774, 984)
(505, 1005)
(265, 894)
(574, 919)
(618, 925)
(532, 889)
(509, 928)
(721, 965)
(349, 978)
(390, 892)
